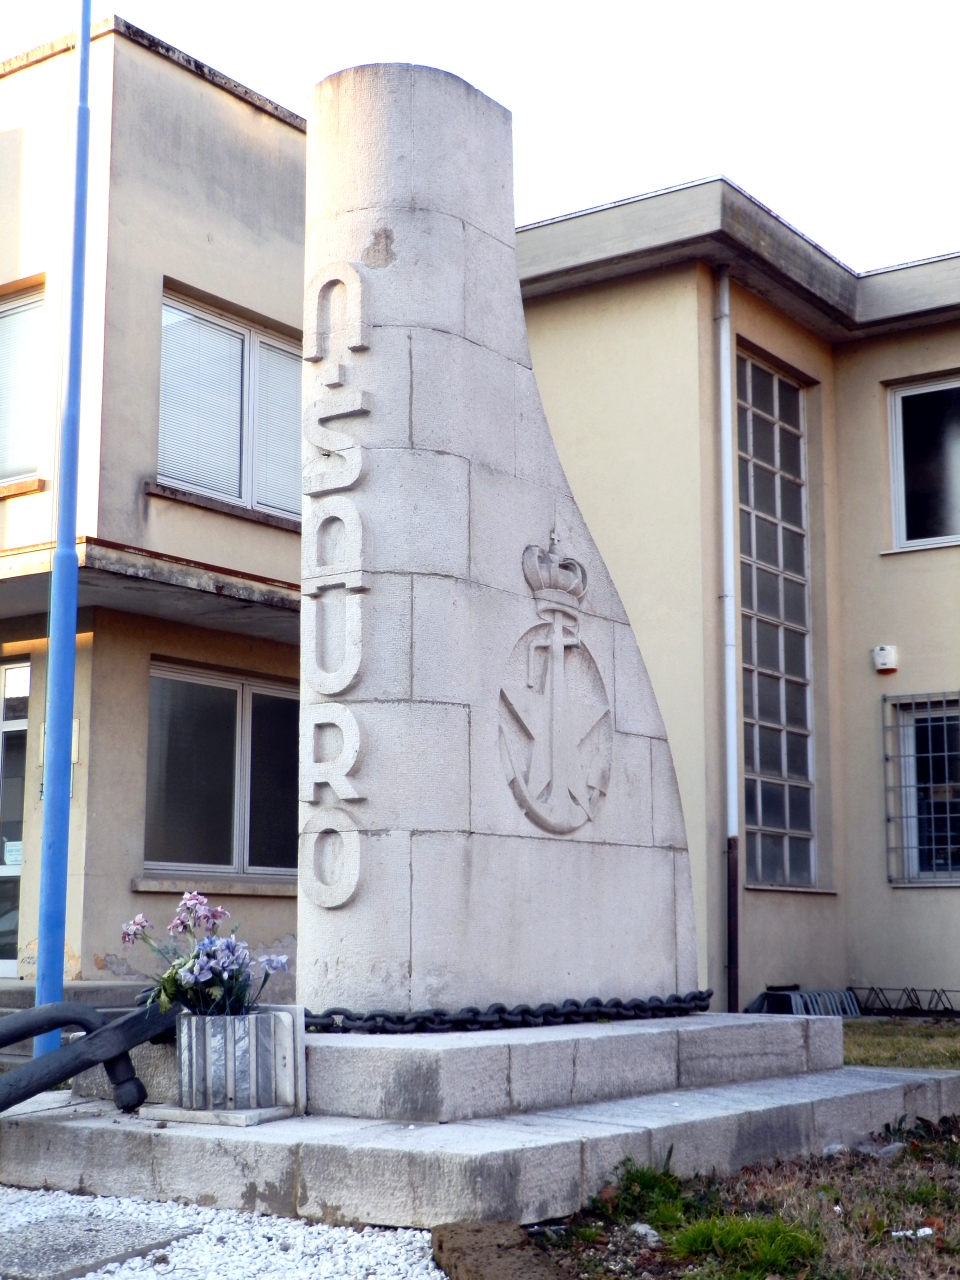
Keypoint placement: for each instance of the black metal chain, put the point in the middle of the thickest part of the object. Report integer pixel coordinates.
(499, 1018)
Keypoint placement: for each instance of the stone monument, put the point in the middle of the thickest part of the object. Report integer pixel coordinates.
(489, 810)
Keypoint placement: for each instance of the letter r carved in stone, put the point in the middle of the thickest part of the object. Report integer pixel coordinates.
(326, 756)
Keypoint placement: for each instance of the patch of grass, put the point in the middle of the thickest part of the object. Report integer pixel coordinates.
(643, 1195)
(845, 1217)
(588, 1235)
(901, 1042)
(748, 1247)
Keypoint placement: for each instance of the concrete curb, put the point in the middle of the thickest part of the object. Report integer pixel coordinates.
(490, 1251)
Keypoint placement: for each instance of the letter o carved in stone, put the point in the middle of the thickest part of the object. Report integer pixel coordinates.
(330, 875)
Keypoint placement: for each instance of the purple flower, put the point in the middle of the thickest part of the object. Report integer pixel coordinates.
(230, 956)
(274, 964)
(134, 929)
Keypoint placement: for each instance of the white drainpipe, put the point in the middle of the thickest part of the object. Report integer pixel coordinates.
(731, 703)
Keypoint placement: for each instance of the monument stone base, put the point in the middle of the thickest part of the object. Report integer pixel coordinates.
(521, 1125)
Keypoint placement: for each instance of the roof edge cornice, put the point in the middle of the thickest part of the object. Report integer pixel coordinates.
(119, 26)
(716, 222)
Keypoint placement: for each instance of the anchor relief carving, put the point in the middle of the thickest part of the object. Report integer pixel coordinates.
(556, 735)
(333, 585)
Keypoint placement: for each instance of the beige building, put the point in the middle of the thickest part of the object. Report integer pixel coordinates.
(844, 406)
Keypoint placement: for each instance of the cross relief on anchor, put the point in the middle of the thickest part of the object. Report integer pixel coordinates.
(555, 731)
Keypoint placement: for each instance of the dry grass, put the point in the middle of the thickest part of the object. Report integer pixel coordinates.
(813, 1219)
(901, 1042)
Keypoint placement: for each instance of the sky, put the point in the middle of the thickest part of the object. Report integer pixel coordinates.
(840, 116)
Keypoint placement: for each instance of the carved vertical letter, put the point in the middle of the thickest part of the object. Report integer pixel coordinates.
(316, 771)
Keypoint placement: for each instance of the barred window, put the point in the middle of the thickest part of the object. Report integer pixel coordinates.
(777, 747)
(922, 767)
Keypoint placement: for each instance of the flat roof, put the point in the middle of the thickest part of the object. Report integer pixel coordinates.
(716, 222)
(120, 26)
(712, 220)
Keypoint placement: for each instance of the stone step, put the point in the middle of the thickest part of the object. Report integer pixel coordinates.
(461, 1076)
(524, 1168)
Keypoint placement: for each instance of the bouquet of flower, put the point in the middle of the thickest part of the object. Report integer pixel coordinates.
(216, 975)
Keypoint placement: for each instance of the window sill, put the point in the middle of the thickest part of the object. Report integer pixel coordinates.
(238, 886)
(792, 888)
(921, 546)
(953, 883)
(153, 489)
(19, 487)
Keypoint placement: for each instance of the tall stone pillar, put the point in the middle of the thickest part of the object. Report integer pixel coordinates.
(488, 801)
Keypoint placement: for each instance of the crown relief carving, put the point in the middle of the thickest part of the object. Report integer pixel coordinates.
(556, 736)
(558, 582)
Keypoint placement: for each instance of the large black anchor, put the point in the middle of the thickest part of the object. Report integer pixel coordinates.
(105, 1041)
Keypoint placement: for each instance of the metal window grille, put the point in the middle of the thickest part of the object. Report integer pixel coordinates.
(775, 611)
(921, 751)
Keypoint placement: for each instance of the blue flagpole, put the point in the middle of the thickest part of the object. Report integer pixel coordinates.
(62, 651)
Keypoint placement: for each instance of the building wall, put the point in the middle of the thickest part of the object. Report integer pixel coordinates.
(617, 367)
(629, 377)
(898, 936)
(799, 935)
(37, 141)
(108, 805)
(208, 191)
(19, 638)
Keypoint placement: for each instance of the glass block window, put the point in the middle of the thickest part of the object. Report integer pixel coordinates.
(774, 597)
(922, 766)
(229, 411)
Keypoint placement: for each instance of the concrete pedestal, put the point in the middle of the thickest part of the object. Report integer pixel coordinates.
(490, 1141)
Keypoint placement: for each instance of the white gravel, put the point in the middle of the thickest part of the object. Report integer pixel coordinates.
(235, 1246)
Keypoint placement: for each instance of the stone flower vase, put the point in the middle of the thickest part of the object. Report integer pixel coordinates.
(249, 1061)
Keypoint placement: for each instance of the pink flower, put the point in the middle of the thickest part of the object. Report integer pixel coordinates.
(134, 929)
(179, 924)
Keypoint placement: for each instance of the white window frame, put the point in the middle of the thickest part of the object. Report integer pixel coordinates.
(253, 338)
(245, 687)
(897, 474)
(22, 302)
(8, 968)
